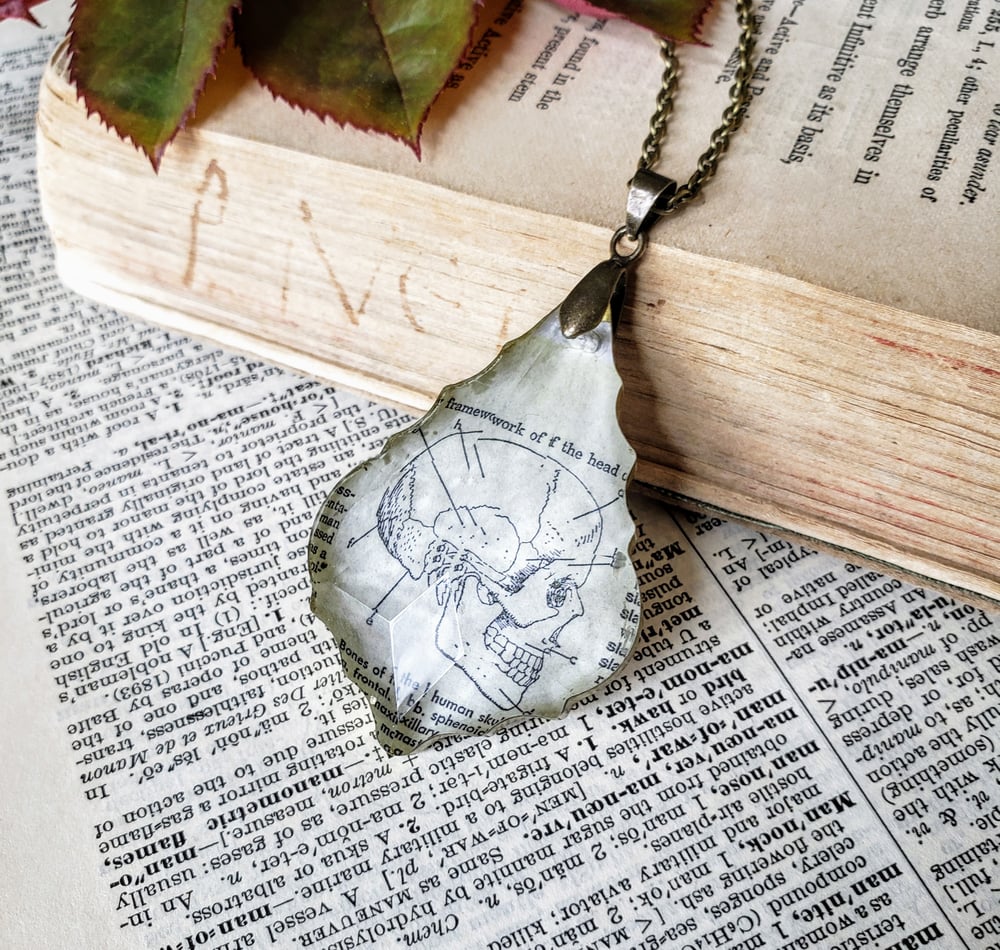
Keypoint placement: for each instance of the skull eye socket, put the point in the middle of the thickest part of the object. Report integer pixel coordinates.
(558, 591)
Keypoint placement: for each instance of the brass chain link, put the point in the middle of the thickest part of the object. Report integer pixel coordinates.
(732, 117)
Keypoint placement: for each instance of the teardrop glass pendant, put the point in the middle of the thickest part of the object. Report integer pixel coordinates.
(477, 571)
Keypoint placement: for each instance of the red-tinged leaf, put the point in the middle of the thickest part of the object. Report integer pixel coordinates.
(141, 65)
(19, 10)
(678, 19)
(374, 64)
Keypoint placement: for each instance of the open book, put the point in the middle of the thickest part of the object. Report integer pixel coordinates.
(797, 752)
(811, 346)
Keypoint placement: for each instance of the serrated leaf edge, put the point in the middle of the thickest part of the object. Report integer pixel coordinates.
(93, 109)
(412, 143)
(610, 8)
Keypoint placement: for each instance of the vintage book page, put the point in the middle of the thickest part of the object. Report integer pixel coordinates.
(867, 162)
(798, 752)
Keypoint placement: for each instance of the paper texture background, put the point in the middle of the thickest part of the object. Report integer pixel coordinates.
(799, 752)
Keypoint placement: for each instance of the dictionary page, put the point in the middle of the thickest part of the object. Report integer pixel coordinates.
(797, 752)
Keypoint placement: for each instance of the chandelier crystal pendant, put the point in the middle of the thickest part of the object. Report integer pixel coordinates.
(477, 571)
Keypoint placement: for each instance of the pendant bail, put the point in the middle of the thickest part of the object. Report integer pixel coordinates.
(646, 194)
(597, 298)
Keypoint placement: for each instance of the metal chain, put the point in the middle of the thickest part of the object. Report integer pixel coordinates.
(732, 117)
(651, 194)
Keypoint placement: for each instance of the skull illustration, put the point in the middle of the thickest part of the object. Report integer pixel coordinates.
(507, 579)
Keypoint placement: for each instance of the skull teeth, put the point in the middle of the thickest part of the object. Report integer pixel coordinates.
(520, 663)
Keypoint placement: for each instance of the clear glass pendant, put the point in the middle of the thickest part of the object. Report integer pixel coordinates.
(477, 571)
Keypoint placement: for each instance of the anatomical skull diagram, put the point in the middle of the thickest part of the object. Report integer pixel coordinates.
(506, 575)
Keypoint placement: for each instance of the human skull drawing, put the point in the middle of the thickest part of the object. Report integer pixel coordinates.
(509, 576)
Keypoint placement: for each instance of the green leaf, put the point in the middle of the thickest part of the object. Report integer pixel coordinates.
(678, 19)
(376, 64)
(141, 65)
